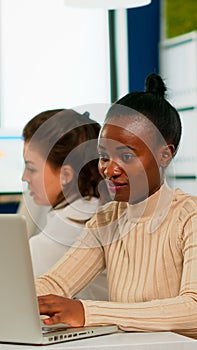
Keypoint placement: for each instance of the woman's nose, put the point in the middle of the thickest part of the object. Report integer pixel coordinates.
(24, 177)
(111, 169)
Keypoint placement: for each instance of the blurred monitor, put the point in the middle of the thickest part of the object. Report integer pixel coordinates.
(11, 162)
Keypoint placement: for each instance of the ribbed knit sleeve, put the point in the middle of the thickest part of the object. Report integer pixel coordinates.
(72, 273)
(174, 314)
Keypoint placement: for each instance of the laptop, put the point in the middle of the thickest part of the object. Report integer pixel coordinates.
(20, 320)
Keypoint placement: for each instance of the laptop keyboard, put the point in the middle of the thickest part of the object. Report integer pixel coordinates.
(53, 328)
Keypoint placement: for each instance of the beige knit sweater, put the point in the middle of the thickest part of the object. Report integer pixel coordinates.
(150, 251)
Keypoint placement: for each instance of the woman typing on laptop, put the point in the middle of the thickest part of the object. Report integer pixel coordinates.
(146, 237)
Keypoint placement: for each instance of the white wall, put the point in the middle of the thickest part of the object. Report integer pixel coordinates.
(179, 69)
(51, 57)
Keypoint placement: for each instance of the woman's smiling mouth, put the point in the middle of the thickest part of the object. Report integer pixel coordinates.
(115, 186)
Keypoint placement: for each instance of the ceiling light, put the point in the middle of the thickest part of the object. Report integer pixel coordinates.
(106, 4)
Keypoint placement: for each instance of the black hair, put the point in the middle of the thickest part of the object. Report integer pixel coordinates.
(153, 104)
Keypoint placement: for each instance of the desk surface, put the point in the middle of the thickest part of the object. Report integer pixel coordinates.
(119, 341)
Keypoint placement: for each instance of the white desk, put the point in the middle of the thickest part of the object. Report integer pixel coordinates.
(119, 341)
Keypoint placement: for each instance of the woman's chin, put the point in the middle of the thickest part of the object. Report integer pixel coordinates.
(39, 201)
(118, 197)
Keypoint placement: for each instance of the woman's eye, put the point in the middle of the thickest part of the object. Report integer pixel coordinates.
(104, 157)
(31, 170)
(126, 157)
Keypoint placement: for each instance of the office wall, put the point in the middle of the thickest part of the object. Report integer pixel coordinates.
(51, 57)
(179, 69)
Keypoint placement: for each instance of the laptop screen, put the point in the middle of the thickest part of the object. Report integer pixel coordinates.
(11, 162)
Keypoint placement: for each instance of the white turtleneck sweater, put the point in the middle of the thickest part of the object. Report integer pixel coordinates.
(150, 252)
(63, 227)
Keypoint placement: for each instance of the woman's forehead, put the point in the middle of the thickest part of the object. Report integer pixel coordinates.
(127, 127)
(31, 150)
(120, 139)
(130, 122)
(130, 132)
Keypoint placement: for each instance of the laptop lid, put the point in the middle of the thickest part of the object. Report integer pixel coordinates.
(20, 319)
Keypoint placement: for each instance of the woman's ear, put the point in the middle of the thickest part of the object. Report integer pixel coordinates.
(66, 175)
(167, 152)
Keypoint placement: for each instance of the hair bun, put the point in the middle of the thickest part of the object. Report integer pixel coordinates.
(86, 115)
(155, 85)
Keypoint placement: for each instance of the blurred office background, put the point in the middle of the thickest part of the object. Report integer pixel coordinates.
(53, 56)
